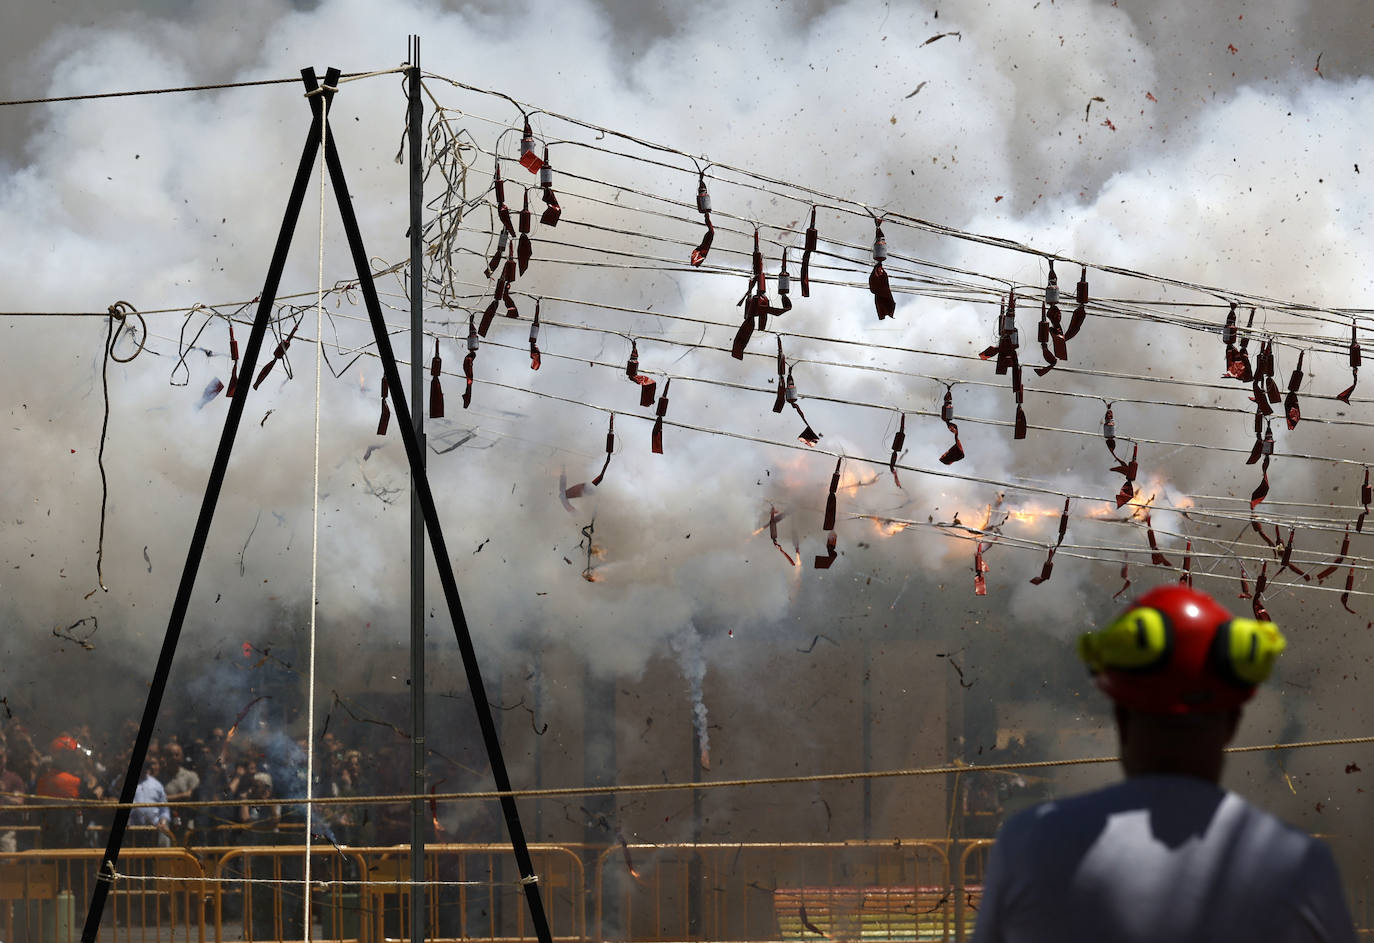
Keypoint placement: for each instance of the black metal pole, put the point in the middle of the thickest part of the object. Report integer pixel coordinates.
(414, 452)
(418, 824)
(105, 876)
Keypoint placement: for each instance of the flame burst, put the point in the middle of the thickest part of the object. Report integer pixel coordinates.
(886, 527)
(1141, 501)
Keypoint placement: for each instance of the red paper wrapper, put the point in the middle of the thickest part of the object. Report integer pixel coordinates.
(810, 246)
(489, 314)
(699, 253)
(1291, 411)
(1336, 564)
(1366, 494)
(656, 438)
(610, 447)
(1344, 395)
(1045, 570)
(1286, 558)
(234, 364)
(780, 399)
(1157, 558)
(1262, 489)
(956, 451)
(746, 331)
(758, 266)
(528, 158)
(647, 385)
(1080, 311)
(829, 522)
(898, 443)
(1257, 601)
(385, 419)
(883, 302)
(1126, 576)
(525, 250)
(277, 354)
(1128, 470)
(824, 563)
(436, 392)
(536, 359)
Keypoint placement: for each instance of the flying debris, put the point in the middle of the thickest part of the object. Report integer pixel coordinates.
(955, 33)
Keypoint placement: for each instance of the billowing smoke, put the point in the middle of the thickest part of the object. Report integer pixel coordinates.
(1199, 143)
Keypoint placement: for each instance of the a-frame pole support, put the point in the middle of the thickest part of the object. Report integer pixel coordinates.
(105, 875)
(415, 456)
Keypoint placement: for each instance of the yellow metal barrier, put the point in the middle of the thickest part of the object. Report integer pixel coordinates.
(973, 864)
(159, 895)
(893, 890)
(363, 894)
(259, 893)
(475, 893)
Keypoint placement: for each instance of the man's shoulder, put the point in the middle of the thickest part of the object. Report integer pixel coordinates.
(1178, 801)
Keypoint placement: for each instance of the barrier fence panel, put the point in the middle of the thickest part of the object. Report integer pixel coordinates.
(363, 894)
(973, 864)
(474, 892)
(259, 894)
(893, 890)
(158, 895)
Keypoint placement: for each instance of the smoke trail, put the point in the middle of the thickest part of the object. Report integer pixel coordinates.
(687, 646)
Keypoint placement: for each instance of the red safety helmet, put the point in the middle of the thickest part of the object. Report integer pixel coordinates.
(1177, 651)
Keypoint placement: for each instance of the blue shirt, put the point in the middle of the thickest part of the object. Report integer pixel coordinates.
(150, 790)
(1159, 858)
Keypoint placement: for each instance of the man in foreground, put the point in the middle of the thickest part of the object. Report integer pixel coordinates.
(1166, 854)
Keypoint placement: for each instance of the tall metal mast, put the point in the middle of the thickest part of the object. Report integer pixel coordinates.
(414, 121)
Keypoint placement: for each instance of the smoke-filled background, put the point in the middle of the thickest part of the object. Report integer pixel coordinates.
(1218, 144)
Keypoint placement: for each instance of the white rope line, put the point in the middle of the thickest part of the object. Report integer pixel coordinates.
(275, 882)
(315, 523)
(371, 75)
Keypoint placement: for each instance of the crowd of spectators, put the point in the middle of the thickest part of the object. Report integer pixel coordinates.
(250, 779)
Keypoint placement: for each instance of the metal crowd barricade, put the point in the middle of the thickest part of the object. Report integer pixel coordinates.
(894, 890)
(973, 864)
(159, 895)
(260, 894)
(363, 893)
(474, 893)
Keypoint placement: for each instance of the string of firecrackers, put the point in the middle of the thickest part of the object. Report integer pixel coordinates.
(757, 309)
(753, 180)
(1285, 548)
(991, 532)
(1050, 327)
(517, 250)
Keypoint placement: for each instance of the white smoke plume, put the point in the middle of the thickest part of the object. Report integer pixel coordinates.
(1200, 143)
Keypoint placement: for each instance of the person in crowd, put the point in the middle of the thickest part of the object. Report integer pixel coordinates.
(181, 781)
(156, 814)
(213, 785)
(60, 781)
(1166, 854)
(12, 792)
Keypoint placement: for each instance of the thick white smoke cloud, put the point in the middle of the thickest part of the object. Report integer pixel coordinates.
(1082, 128)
